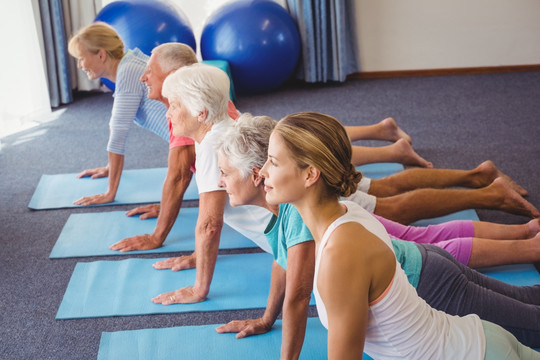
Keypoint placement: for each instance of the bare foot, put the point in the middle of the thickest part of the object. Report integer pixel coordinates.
(534, 227)
(491, 172)
(513, 202)
(394, 132)
(409, 156)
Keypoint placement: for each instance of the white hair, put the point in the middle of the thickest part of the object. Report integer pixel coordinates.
(172, 56)
(200, 87)
(245, 145)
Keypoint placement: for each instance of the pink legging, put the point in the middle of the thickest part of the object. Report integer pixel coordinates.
(453, 236)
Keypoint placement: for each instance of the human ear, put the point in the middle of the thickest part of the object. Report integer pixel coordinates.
(202, 115)
(256, 176)
(102, 55)
(312, 174)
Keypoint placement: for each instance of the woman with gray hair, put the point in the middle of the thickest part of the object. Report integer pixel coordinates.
(198, 97)
(242, 152)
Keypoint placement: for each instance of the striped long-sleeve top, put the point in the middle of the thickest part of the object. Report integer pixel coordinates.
(131, 104)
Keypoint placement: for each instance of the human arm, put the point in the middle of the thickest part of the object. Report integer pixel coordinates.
(127, 99)
(115, 166)
(356, 268)
(274, 305)
(299, 284)
(343, 282)
(176, 182)
(207, 236)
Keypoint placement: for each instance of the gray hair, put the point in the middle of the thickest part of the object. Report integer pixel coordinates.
(172, 56)
(200, 87)
(245, 144)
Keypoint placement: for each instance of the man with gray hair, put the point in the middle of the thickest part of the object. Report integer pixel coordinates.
(166, 59)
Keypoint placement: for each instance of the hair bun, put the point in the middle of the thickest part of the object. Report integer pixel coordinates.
(350, 180)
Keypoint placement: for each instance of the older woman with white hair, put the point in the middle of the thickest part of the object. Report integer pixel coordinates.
(198, 98)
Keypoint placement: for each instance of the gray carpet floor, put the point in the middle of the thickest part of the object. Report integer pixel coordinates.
(455, 122)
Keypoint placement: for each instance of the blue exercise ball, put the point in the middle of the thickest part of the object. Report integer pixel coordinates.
(145, 24)
(258, 38)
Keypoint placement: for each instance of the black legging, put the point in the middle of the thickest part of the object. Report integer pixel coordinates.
(456, 289)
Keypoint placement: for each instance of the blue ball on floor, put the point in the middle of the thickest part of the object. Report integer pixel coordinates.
(258, 38)
(145, 24)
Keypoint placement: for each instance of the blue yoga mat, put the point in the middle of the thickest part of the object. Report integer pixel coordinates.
(204, 343)
(91, 234)
(136, 187)
(519, 274)
(126, 287)
(379, 170)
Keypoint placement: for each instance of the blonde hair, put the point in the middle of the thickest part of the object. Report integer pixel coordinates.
(96, 36)
(172, 56)
(321, 141)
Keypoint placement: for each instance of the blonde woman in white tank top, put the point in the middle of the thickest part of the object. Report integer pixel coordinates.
(363, 296)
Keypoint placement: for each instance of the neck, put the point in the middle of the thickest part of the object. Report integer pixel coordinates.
(274, 209)
(111, 67)
(201, 132)
(319, 215)
(259, 199)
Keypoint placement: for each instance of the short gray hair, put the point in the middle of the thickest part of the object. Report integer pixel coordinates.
(245, 145)
(200, 87)
(172, 56)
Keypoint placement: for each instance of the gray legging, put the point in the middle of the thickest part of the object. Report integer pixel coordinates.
(456, 289)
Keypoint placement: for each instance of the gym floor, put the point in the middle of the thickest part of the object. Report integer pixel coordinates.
(454, 121)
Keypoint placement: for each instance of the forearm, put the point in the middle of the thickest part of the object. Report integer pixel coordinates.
(206, 250)
(116, 165)
(299, 284)
(295, 315)
(176, 182)
(274, 304)
(171, 202)
(207, 235)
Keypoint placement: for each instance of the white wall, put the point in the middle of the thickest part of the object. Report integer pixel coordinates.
(431, 34)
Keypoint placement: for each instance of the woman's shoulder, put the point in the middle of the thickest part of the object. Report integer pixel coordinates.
(351, 234)
(355, 213)
(131, 67)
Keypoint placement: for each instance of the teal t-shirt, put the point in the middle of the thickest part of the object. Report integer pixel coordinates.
(286, 230)
(410, 258)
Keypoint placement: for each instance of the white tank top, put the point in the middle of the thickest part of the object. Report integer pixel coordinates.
(401, 325)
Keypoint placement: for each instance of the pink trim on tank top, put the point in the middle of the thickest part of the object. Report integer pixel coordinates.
(380, 297)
